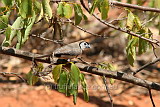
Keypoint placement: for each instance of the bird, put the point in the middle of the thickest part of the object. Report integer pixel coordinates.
(71, 50)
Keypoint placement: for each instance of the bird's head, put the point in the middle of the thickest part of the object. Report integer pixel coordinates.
(83, 45)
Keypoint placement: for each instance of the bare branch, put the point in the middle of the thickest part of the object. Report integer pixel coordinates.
(143, 8)
(156, 42)
(45, 39)
(86, 31)
(11, 73)
(146, 65)
(150, 95)
(85, 67)
(107, 89)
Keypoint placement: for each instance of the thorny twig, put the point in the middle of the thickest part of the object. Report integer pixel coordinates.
(45, 39)
(11, 73)
(107, 89)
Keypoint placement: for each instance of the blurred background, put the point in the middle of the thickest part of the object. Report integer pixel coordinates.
(111, 49)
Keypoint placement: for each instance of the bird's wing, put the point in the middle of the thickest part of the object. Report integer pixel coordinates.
(68, 50)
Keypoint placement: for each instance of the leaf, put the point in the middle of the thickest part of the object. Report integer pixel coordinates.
(3, 21)
(26, 9)
(7, 2)
(67, 10)
(84, 87)
(7, 33)
(75, 72)
(131, 50)
(47, 9)
(31, 78)
(62, 82)
(56, 72)
(78, 14)
(28, 23)
(95, 4)
(60, 10)
(75, 98)
(37, 7)
(104, 7)
(130, 20)
(137, 22)
(112, 81)
(143, 44)
(16, 25)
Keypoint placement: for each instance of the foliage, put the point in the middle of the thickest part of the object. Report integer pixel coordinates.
(67, 79)
(134, 24)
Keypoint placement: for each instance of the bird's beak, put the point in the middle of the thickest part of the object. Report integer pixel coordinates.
(89, 46)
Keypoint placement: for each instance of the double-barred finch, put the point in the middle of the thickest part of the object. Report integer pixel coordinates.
(71, 50)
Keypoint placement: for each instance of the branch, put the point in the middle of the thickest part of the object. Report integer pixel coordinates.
(146, 65)
(45, 39)
(11, 73)
(156, 42)
(150, 95)
(86, 68)
(86, 31)
(143, 8)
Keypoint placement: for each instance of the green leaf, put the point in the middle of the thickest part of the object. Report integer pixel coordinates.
(131, 50)
(67, 10)
(47, 9)
(26, 9)
(60, 10)
(31, 78)
(95, 4)
(78, 14)
(7, 2)
(84, 87)
(56, 72)
(137, 22)
(28, 23)
(104, 7)
(130, 19)
(7, 33)
(3, 21)
(112, 81)
(62, 82)
(143, 44)
(37, 7)
(75, 72)
(16, 25)
(75, 98)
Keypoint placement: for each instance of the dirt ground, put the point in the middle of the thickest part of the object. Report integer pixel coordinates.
(38, 96)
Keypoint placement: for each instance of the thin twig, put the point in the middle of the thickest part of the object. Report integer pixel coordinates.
(86, 31)
(143, 8)
(156, 42)
(107, 89)
(146, 65)
(45, 39)
(11, 73)
(150, 95)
